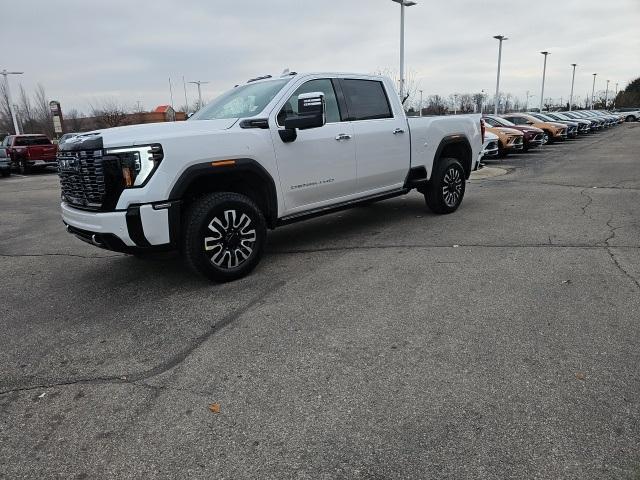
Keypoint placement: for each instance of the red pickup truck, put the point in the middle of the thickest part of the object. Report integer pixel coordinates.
(30, 151)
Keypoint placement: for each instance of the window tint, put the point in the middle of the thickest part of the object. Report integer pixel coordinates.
(323, 85)
(27, 141)
(491, 122)
(366, 99)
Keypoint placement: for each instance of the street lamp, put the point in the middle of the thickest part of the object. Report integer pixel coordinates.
(403, 3)
(500, 38)
(199, 83)
(4, 73)
(544, 73)
(573, 78)
(606, 95)
(526, 105)
(593, 90)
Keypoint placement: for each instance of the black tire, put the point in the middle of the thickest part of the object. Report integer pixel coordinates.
(24, 168)
(546, 138)
(445, 189)
(6, 173)
(242, 232)
(502, 151)
(630, 118)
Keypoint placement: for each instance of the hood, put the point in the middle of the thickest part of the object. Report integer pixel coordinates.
(509, 131)
(156, 132)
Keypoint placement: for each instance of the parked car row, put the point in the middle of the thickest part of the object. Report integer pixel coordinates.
(520, 132)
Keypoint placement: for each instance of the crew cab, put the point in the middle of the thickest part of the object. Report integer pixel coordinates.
(30, 151)
(264, 154)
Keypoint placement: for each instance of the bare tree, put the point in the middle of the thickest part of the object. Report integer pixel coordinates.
(73, 121)
(108, 113)
(410, 85)
(436, 105)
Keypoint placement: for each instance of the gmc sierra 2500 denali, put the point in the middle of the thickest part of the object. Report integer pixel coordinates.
(264, 154)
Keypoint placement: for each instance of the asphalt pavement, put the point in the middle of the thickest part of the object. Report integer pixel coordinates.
(383, 342)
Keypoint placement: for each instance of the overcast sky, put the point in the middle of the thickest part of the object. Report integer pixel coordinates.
(84, 51)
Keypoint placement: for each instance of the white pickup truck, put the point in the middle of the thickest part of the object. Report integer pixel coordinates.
(264, 154)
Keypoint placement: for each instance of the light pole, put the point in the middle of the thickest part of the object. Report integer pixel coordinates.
(500, 38)
(616, 97)
(606, 95)
(403, 3)
(573, 79)
(526, 104)
(199, 83)
(593, 90)
(420, 102)
(544, 74)
(5, 74)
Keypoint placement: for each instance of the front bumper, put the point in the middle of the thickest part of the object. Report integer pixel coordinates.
(139, 228)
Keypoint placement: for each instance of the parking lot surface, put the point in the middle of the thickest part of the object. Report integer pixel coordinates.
(382, 342)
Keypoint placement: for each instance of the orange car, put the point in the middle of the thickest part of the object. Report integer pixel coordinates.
(509, 139)
(552, 131)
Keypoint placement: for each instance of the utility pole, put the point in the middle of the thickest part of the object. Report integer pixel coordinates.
(606, 95)
(403, 4)
(573, 78)
(171, 93)
(199, 83)
(544, 73)
(420, 102)
(5, 74)
(593, 90)
(616, 97)
(500, 38)
(186, 102)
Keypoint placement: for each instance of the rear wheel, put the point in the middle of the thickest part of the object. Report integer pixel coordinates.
(224, 236)
(445, 190)
(24, 167)
(630, 118)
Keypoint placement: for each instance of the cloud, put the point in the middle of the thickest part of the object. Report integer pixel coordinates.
(82, 50)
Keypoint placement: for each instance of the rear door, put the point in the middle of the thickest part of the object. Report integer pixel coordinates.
(382, 138)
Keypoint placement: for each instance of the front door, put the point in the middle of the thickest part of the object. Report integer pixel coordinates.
(319, 166)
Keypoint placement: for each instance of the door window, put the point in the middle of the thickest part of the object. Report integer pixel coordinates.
(323, 85)
(366, 99)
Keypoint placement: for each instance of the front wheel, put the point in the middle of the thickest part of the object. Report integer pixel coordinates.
(630, 118)
(445, 190)
(545, 138)
(224, 236)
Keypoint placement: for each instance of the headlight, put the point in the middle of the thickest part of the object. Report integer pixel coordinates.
(137, 163)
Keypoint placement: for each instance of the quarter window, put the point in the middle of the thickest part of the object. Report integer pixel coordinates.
(366, 99)
(323, 85)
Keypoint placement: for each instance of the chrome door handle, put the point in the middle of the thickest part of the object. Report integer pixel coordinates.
(343, 136)
(397, 131)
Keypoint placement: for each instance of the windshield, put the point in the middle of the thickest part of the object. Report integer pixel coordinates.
(242, 101)
(499, 122)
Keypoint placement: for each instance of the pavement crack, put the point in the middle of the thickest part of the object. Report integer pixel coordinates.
(621, 268)
(589, 200)
(175, 360)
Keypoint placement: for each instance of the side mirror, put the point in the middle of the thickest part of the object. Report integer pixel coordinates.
(311, 112)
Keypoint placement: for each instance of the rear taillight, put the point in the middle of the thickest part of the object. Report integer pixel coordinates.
(482, 129)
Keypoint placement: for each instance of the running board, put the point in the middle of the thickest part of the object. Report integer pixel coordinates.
(316, 212)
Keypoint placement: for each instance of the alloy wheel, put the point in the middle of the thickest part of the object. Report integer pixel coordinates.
(230, 239)
(452, 186)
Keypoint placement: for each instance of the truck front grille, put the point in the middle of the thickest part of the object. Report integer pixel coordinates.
(82, 178)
